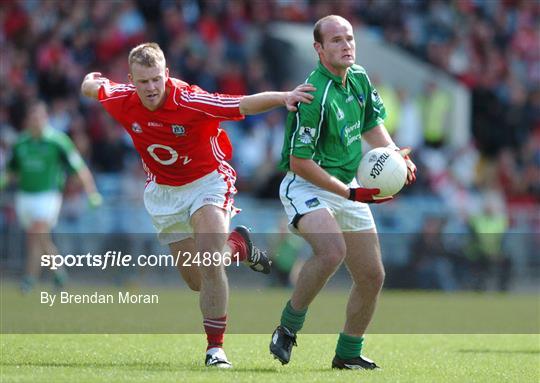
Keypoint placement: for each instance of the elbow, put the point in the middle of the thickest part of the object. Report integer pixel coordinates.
(244, 109)
(296, 165)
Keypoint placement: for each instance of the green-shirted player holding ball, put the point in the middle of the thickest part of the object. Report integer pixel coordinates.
(39, 160)
(324, 203)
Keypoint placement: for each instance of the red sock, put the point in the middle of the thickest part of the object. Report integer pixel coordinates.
(215, 331)
(238, 247)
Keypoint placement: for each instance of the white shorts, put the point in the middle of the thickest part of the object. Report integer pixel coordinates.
(171, 207)
(41, 206)
(300, 197)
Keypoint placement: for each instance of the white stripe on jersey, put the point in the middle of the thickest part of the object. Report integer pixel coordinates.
(120, 88)
(197, 109)
(114, 98)
(236, 105)
(211, 97)
(215, 151)
(210, 101)
(149, 174)
(203, 111)
(220, 100)
(322, 113)
(218, 148)
(298, 119)
(295, 130)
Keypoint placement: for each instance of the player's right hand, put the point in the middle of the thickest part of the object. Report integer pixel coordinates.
(97, 78)
(367, 195)
(411, 167)
(91, 84)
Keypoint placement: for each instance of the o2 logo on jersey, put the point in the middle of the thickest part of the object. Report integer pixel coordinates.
(174, 155)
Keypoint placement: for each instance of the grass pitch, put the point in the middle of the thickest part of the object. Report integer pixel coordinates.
(179, 358)
(465, 353)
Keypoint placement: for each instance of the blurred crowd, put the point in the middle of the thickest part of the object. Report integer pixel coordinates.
(490, 46)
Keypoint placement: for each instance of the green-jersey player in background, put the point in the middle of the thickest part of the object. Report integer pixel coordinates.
(322, 199)
(39, 161)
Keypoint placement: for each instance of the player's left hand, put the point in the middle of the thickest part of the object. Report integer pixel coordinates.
(411, 167)
(95, 199)
(299, 94)
(367, 195)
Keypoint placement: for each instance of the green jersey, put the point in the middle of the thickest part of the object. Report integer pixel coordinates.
(41, 162)
(329, 129)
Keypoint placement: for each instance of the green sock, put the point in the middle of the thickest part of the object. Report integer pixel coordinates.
(293, 319)
(349, 346)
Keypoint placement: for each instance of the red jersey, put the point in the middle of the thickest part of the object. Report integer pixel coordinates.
(181, 141)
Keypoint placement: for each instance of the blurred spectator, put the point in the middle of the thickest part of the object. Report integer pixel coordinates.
(109, 153)
(430, 262)
(258, 154)
(8, 136)
(231, 79)
(436, 106)
(409, 131)
(392, 103)
(485, 252)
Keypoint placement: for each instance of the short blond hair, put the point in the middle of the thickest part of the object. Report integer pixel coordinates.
(147, 54)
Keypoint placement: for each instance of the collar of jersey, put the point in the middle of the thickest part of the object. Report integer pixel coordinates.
(169, 101)
(327, 73)
(48, 131)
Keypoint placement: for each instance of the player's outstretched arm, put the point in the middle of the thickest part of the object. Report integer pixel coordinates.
(262, 102)
(94, 198)
(91, 84)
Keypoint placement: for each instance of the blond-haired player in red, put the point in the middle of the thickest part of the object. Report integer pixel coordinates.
(190, 185)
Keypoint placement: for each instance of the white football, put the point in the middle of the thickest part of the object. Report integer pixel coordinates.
(382, 168)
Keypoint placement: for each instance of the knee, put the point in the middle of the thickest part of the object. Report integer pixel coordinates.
(38, 227)
(372, 279)
(194, 285)
(333, 255)
(211, 273)
(192, 277)
(333, 261)
(375, 277)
